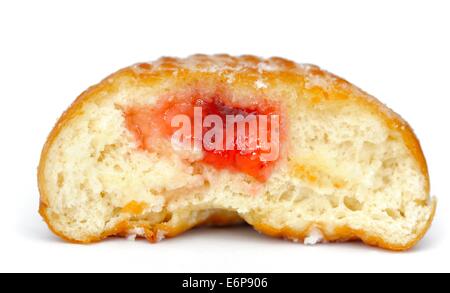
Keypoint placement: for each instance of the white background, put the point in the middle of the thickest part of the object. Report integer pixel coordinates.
(50, 51)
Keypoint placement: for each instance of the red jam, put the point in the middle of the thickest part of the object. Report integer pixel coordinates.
(151, 123)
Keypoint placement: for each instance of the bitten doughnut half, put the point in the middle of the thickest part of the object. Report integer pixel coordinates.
(347, 167)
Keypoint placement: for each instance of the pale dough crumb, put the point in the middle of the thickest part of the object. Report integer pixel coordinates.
(260, 84)
(135, 232)
(160, 235)
(314, 237)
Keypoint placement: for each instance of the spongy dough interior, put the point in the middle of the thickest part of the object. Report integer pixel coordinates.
(342, 167)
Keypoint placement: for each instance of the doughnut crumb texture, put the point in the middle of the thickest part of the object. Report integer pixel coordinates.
(348, 167)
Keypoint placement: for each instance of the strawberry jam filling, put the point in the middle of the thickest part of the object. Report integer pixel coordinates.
(213, 127)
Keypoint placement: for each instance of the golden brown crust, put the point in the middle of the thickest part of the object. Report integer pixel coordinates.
(219, 218)
(344, 233)
(246, 70)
